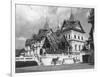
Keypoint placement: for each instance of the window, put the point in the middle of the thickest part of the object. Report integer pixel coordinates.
(78, 37)
(75, 36)
(66, 36)
(81, 38)
(69, 36)
(79, 47)
(75, 47)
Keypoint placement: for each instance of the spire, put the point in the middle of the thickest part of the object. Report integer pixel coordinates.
(46, 25)
(71, 18)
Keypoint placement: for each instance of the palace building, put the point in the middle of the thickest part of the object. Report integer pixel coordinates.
(67, 42)
(75, 35)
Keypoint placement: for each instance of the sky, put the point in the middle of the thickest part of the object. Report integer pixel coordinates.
(30, 18)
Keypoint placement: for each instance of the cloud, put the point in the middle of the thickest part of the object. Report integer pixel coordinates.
(20, 42)
(30, 13)
(21, 38)
(29, 18)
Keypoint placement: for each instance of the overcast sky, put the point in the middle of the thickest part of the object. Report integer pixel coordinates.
(30, 18)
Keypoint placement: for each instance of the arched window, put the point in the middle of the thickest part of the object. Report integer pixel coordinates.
(66, 36)
(69, 36)
(79, 47)
(81, 38)
(78, 37)
(75, 36)
(75, 47)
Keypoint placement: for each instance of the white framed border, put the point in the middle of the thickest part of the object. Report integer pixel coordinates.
(31, 74)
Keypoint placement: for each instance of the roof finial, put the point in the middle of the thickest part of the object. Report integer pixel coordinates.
(46, 25)
(71, 16)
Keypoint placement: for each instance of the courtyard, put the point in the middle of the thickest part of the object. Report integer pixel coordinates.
(54, 68)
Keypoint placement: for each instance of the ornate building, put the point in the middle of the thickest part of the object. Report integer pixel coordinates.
(75, 35)
(67, 41)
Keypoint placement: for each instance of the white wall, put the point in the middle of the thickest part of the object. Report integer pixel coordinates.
(76, 41)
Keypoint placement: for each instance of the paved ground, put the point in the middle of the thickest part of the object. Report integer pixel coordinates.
(53, 68)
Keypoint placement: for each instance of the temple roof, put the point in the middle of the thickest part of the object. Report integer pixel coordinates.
(72, 24)
(46, 29)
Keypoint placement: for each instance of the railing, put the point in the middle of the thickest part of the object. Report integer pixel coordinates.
(25, 58)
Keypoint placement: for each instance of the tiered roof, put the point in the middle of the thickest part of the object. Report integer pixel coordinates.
(72, 24)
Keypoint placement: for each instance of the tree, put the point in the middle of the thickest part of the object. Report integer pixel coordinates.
(28, 42)
(19, 51)
(91, 20)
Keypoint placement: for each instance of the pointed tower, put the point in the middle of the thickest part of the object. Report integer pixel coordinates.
(71, 18)
(46, 25)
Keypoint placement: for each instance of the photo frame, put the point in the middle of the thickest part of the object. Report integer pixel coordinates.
(60, 60)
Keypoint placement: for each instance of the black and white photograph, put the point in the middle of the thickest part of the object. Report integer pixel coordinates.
(53, 38)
